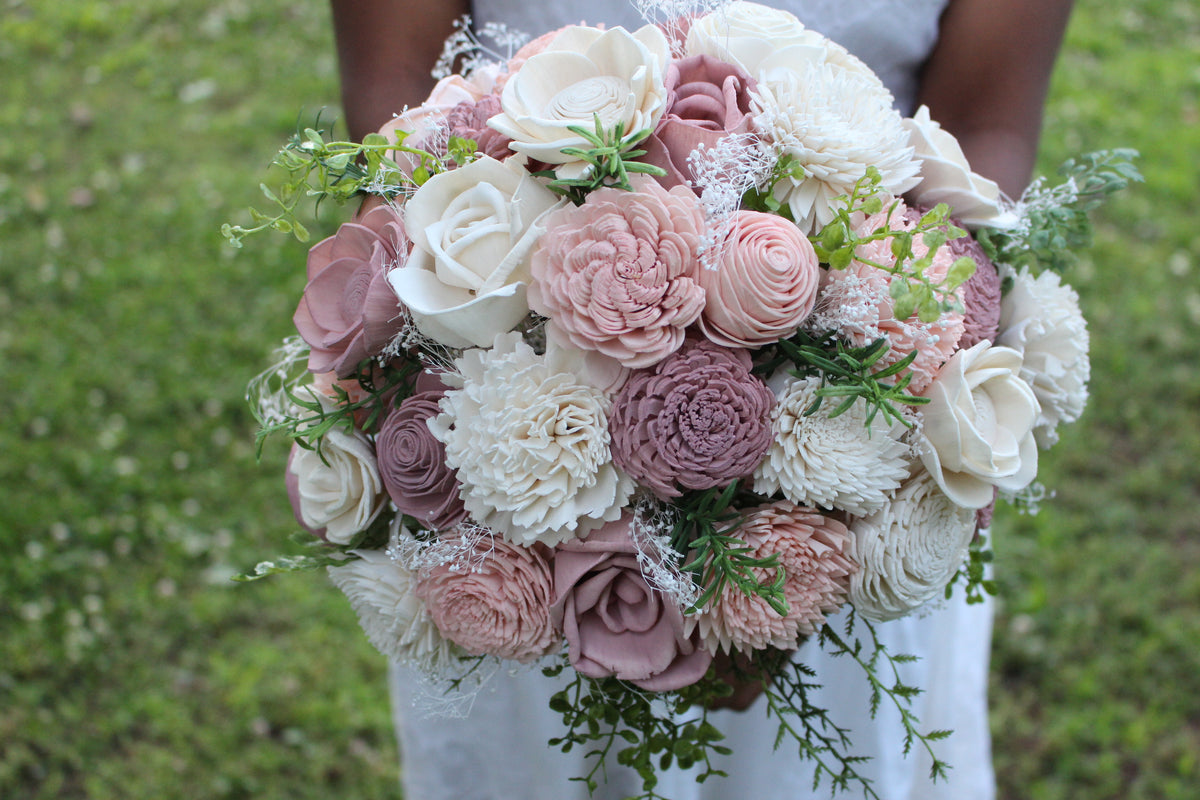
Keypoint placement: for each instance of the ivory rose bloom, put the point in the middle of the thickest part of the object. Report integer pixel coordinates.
(499, 605)
(764, 285)
(473, 230)
(618, 273)
(908, 550)
(747, 33)
(978, 430)
(531, 445)
(338, 492)
(615, 623)
(946, 177)
(1040, 318)
(583, 73)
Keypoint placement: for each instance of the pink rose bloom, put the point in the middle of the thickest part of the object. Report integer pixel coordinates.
(981, 294)
(764, 285)
(813, 551)
(412, 461)
(707, 99)
(499, 606)
(698, 419)
(348, 311)
(618, 274)
(615, 623)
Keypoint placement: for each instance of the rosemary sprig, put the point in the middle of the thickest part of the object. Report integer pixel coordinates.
(610, 159)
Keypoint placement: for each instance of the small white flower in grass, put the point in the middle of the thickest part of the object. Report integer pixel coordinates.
(837, 462)
(530, 444)
(908, 550)
(1040, 318)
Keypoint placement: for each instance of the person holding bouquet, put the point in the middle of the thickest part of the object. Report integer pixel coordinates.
(982, 68)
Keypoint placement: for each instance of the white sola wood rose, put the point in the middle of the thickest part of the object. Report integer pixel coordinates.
(584, 73)
(909, 550)
(473, 231)
(1040, 318)
(978, 430)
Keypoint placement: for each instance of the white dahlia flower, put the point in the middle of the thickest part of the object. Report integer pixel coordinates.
(834, 123)
(530, 444)
(909, 550)
(1040, 318)
(381, 592)
(837, 462)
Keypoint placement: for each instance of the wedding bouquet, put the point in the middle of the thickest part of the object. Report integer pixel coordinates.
(648, 351)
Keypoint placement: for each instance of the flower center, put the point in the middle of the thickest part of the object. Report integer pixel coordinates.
(605, 95)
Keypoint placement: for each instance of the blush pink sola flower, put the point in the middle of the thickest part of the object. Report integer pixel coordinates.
(618, 274)
(500, 606)
(698, 419)
(348, 312)
(814, 553)
(765, 283)
(614, 621)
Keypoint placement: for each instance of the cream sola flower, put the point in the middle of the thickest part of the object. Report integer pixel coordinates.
(909, 550)
(839, 462)
(530, 444)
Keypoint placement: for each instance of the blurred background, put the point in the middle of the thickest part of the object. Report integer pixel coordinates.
(132, 667)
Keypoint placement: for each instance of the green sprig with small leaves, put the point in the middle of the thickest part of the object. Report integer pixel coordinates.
(847, 374)
(974, 572)
(610, 161)
(762, 198)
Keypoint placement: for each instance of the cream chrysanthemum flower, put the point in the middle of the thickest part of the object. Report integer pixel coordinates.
(838, 462)
(381, 592)
(530, 444)
(1040, 318)
(834, 123)
(909, 550)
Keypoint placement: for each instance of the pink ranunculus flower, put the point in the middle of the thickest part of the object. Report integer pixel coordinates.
(814, 554)
(698, 419)
(618, 274)
(981, 294)
(614, 622)
(348, 312)
(764, 285)
(412, 462)
(499, 606)
(707, 99)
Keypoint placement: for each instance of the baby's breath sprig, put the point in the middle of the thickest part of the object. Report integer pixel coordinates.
(610, 158)
(705, 529)
(846, 373)
(838, 243)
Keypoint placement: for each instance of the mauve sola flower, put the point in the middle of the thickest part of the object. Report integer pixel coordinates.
(618, 273)
(348, 313)
(698, 419)
(382, 593)
(856, 302)
(814, 554)
(412, 462)
(500, 606)
(531, 445)
(981, 294)
(908, 550)
(469, 121)
(839, 462)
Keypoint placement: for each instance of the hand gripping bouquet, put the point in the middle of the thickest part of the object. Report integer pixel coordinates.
(647, 352)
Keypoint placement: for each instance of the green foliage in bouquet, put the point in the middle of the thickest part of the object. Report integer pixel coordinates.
(610, 162)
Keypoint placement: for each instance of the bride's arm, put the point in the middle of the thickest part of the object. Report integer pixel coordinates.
(385, 50)
(986, 81)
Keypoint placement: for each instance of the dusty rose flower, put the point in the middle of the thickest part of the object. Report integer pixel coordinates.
(707, 100)
(348, 312)
(618, 274)
(813, 551)
(469, 121)
(981, 294)
(499, 606)
(698, 419)
(614, 622)
(764, 285)
(412, 462)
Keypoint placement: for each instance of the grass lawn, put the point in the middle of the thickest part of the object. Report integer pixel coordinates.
(131, 667)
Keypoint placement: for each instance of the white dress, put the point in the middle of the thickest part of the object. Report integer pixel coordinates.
(499, 752)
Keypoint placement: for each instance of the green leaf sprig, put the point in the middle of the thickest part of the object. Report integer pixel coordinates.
(610, 159)
(974, 572)
(846, 373)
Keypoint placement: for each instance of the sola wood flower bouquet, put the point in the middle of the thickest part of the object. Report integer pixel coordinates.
(653, 348)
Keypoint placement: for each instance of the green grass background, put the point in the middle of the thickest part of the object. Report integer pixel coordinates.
(131, 667)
